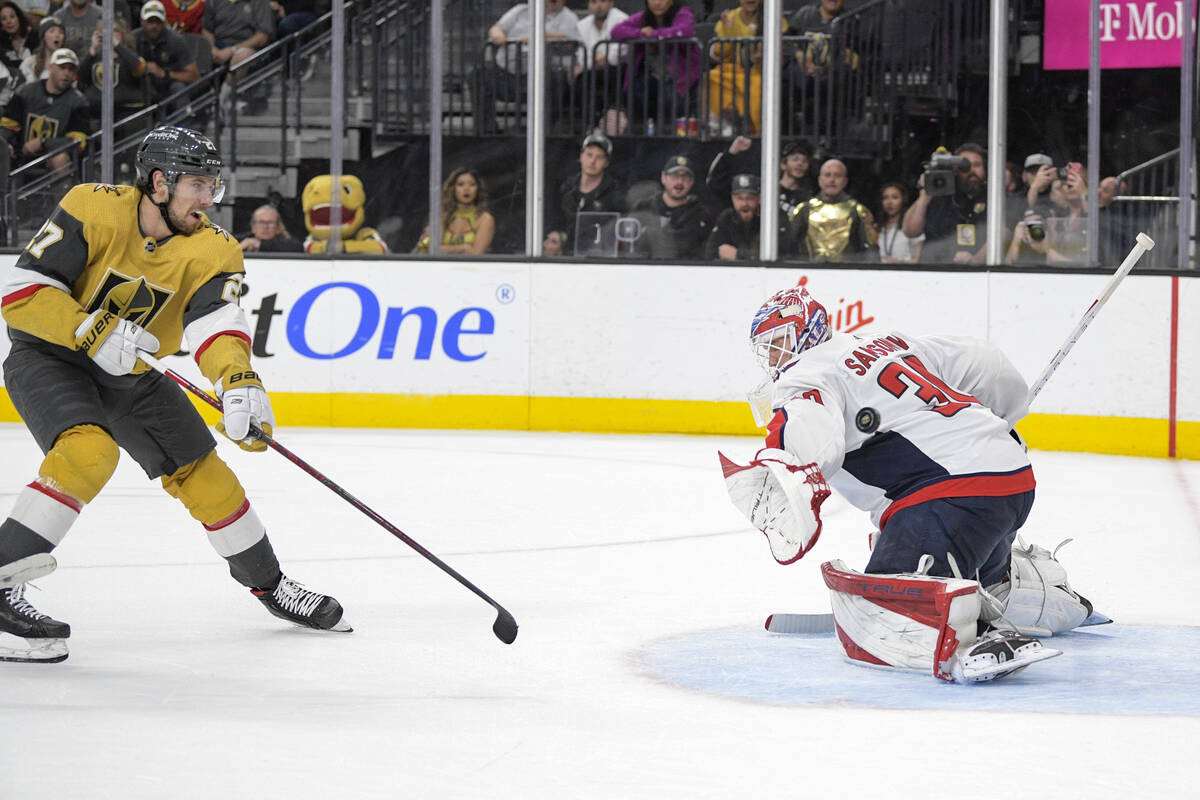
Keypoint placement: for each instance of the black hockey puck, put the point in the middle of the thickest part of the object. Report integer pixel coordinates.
(867, 420)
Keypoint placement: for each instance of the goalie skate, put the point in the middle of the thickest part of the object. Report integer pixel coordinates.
(998, 654)
(300, 606)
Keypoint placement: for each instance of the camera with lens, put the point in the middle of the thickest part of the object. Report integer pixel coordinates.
(1035, 225)
(939, 172)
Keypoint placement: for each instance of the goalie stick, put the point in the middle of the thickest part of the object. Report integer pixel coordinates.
(1144, 243)
(505, 626)
(823, 623)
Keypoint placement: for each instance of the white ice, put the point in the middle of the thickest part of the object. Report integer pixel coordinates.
(179, 685)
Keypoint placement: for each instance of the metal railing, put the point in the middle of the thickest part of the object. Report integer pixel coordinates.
(1147, 200)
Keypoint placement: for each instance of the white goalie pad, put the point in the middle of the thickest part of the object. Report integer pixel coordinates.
(909, 621)
(1037, 598)
(781, 497)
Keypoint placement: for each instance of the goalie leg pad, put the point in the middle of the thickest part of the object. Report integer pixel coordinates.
(909, 621)
(1038, 599)
(781, 497)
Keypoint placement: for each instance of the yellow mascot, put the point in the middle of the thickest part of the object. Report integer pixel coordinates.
(316, 200)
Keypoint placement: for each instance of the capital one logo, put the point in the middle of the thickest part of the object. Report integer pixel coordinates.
(458, 334)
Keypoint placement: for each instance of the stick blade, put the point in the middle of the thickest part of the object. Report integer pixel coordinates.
(505, 627)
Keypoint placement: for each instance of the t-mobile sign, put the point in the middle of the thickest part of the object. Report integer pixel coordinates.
(1145, 33)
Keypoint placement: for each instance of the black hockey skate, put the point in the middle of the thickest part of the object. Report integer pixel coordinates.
(44, 634)
(292, 602)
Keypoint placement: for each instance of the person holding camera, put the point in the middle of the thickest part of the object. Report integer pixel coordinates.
(1054, 240)
(951, 209)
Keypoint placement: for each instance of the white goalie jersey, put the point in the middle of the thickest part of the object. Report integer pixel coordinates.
(894, 420)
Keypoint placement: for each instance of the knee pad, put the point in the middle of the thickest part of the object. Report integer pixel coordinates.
(207, 488)
(80, 463)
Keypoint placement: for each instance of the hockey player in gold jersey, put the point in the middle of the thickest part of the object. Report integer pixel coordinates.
(117, 270)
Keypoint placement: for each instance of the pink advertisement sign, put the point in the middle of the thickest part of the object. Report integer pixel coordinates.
(1140, 34)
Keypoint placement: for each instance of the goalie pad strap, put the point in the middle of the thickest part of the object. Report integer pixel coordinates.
(911, 622)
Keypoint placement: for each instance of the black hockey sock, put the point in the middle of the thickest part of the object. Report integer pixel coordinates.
(18, 541)
(256, 567)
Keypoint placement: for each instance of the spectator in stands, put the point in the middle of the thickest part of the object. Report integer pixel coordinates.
(738, 64)
(954, 225)
(833, 226)
(79, 18)
(735, 236)
(795, 184)
(35, 12)
(170, 64)
(467, 226)
(675, 224)
(130, 88)
(661, 70)
(185, 16)
(827, 46)
(590, 189)
(45, 115)
(505, 78)
(14, 36)
(1067, 237)
(50, 38)
(292, 15)
(1039, 176)
(894, 246)
(597, 27)
(268, 234)
(236, 29)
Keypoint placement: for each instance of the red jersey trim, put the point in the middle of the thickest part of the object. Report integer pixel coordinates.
(974, 486)
(200, 350)
(54, 494)
(21, 294)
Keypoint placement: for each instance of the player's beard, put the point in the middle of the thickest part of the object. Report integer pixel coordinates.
(184, 222)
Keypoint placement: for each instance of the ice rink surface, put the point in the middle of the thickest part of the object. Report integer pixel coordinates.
(641, 669)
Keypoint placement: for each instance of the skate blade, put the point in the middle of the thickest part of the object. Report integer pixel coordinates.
(40, 651)
(342, 626)
(27, 569)
(995, 671)
(1095, 618)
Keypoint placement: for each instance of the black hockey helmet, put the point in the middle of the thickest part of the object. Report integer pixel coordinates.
(178, 151)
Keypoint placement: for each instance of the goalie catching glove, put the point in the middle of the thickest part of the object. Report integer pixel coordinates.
(246, 405)
(113, 343)
(781, 497)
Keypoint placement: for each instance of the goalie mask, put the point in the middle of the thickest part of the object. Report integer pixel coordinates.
(787, 324)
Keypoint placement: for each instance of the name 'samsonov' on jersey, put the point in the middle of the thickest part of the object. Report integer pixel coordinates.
(920, 417)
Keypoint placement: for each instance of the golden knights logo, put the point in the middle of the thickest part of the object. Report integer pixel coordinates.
(40, 127)
(129, 298)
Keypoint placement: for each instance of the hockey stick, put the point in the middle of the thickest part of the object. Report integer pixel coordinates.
(1144, 243)
(505, 626)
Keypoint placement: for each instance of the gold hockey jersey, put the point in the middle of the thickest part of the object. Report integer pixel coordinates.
(92, 250)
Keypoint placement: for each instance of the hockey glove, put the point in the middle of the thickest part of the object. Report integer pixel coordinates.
(781, 497)
(246, 405)
(113, 343)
